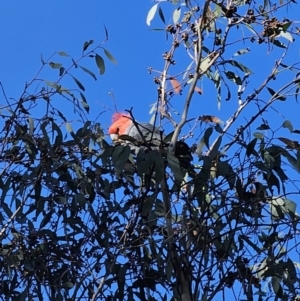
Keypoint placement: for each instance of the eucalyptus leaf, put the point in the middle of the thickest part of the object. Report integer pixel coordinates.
(100, 63)
(151, 14)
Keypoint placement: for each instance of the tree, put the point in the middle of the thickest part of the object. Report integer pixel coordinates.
(85, 219)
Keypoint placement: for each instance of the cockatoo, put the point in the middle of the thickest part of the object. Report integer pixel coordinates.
(145, 134)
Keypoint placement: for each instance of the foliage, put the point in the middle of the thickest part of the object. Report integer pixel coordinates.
(83, 219)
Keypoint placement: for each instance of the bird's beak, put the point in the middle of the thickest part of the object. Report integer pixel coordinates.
(114, 137)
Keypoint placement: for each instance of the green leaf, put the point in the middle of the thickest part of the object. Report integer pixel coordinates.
(287, 124)
(89, 72)
(276, 208)
(62, 53)
(168, 137)
(258, 135)
(61, 71)
(69, 127)
(278, 43)
(250, 147)
(79, 84)
(215, 149)
(176, 15)
(160, 209)
(145, 161)
(46, 219)
(120, 157)
(151, 14)
(159, 168)
(31, 126)
(84, 103)
(287, 36)
(161, 14)
(225, 170)
(110, 56)
(239, 65)
(277, 288)
(59, 137)
(275, 95)
(286, 26)
(206, 136)
(176, 170)
(7, 210)
(5, 189)
(106, 32)
(87, 44)
(263, 127)
(205, 64)
(298, 160)
(242, 51)
(290, 207)
(68, 284)
(55, 65)
(233, 77)
(100, 63)
(250, 243)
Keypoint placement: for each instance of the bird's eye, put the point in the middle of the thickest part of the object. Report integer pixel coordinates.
(118, 129)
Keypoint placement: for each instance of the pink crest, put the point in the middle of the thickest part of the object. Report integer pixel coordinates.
(117, 116)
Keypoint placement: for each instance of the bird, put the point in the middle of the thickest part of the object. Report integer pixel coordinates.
(142, 133)
(124, 129)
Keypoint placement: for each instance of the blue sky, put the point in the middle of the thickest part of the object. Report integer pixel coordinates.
(31, 28)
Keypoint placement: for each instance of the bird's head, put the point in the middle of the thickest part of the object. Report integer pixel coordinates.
(120, 123)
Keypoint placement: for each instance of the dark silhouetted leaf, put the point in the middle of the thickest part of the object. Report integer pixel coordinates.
(120, 156)
(84, 103)
(241, 52)
(258, 135)
(214, 151)
(175, 167)
(287, 124)
(100, 63)
(62, 53)
(55, 65)
(87, 44)
(61, 71)
(263, 127)
(275, 95)
(109, 56)
(79, 84)
(291, 144)
(106, 32)
(233, 77)
(225, 170)
(250, 147)
(89, 72)
(161, 14)
(207, 135)
(277, 288)
(278, 43)
(240, 66)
